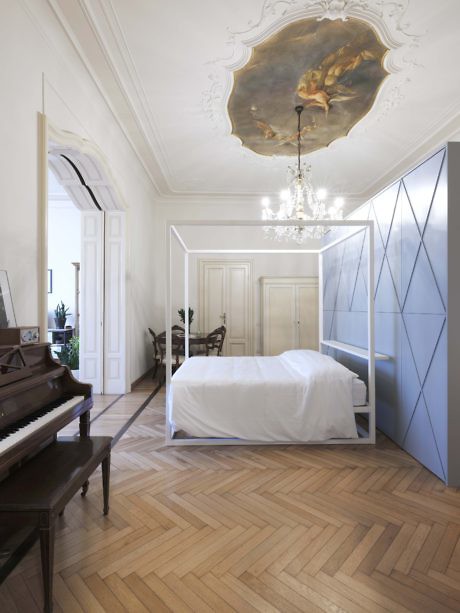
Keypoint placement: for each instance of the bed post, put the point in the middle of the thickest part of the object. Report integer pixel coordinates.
(169, 229)
(371, 332)
(320, 302)
(186, 306)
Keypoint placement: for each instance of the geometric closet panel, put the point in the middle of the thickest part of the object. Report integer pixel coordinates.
(411, 282)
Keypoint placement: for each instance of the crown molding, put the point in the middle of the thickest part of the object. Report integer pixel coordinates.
(107, 31)
(29, 7)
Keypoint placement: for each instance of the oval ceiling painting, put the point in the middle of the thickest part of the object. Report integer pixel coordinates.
(333, 68)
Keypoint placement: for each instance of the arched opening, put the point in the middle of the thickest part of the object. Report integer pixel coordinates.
(100, 305)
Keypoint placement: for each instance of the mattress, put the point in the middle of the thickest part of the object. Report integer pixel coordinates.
(359, 392)
(300, 395)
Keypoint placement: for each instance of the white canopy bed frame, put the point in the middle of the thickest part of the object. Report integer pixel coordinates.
(356, 226)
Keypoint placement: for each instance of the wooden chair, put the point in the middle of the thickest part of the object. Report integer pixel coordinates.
(156, 353)
(177, 351)
(215, 340)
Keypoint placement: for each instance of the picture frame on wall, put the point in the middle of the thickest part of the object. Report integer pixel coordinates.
(50, 280)
(7, 316)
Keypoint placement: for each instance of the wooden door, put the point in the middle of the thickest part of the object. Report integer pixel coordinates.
(225, 298)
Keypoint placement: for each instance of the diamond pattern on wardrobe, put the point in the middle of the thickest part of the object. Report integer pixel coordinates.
(384, 206)
(420, 441)
(421, 184)
(410, 243)
(410, 387)
(435, 394)
(423, 295)
(379, 249)
(386, 300)
(434, 235)
(410, 297)
(423, 332)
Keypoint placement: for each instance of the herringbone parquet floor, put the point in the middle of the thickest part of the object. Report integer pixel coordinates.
(263, 529)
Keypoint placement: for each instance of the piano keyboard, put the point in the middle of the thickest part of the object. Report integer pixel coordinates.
(22, 430)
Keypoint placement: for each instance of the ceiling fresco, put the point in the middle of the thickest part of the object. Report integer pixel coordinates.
(333, 68)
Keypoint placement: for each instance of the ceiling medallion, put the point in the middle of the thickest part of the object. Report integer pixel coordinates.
(389, 20)
(333, 68)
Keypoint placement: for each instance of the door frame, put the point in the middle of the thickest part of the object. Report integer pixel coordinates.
(113, 377)
(201, 297)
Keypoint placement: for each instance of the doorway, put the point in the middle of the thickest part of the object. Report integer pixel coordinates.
(226, 299)
(64, 254)
(101, 310)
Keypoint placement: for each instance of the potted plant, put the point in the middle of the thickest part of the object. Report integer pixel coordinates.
(181, 313)
(60, 315)
(70, 355)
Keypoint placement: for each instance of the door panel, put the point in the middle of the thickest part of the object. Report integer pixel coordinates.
(307, 301)
(225, 298)
(214, 298)
(234, 348)
(280, 313)
(115, 319)
(289, 314)
(91, 285)
(237, 337)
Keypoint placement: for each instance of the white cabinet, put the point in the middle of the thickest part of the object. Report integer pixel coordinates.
(289, 314)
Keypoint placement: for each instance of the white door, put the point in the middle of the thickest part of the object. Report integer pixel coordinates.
(91, 293)
(307, 312)
(225, 298)
(279, 318)
(114, 307)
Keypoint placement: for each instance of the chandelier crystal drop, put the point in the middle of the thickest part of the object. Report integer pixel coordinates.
(300, 202)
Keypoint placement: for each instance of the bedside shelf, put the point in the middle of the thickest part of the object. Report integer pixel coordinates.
(360, 352)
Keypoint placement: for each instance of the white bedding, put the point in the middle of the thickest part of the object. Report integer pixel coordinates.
(299, 395)
(359, 393)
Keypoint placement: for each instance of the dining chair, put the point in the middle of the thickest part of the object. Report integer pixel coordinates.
(177, 352)
(215, 340)
(156, 353)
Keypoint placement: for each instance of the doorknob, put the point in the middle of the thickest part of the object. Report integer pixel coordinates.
(224, 318)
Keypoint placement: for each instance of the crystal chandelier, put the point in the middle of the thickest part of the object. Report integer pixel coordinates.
(300, 202)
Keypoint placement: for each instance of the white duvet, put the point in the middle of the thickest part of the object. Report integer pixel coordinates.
(299, 395)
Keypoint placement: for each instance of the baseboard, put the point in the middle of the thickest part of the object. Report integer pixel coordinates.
(148, 373)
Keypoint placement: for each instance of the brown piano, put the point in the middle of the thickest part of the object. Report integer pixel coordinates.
(38, 397)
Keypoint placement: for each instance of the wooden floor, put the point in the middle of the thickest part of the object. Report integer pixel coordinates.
(249, 529)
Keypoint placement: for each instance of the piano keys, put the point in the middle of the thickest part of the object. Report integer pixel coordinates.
(15, 435)
(33, 408)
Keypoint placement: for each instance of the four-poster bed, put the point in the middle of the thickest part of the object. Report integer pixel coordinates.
(323, 388)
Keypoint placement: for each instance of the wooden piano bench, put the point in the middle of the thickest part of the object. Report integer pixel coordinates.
(38, 492)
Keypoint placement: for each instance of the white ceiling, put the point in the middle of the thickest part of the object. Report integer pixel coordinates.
(166, 67)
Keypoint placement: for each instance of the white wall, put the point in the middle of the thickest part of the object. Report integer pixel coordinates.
(264, 265)
(41, 71)
(64, 246)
